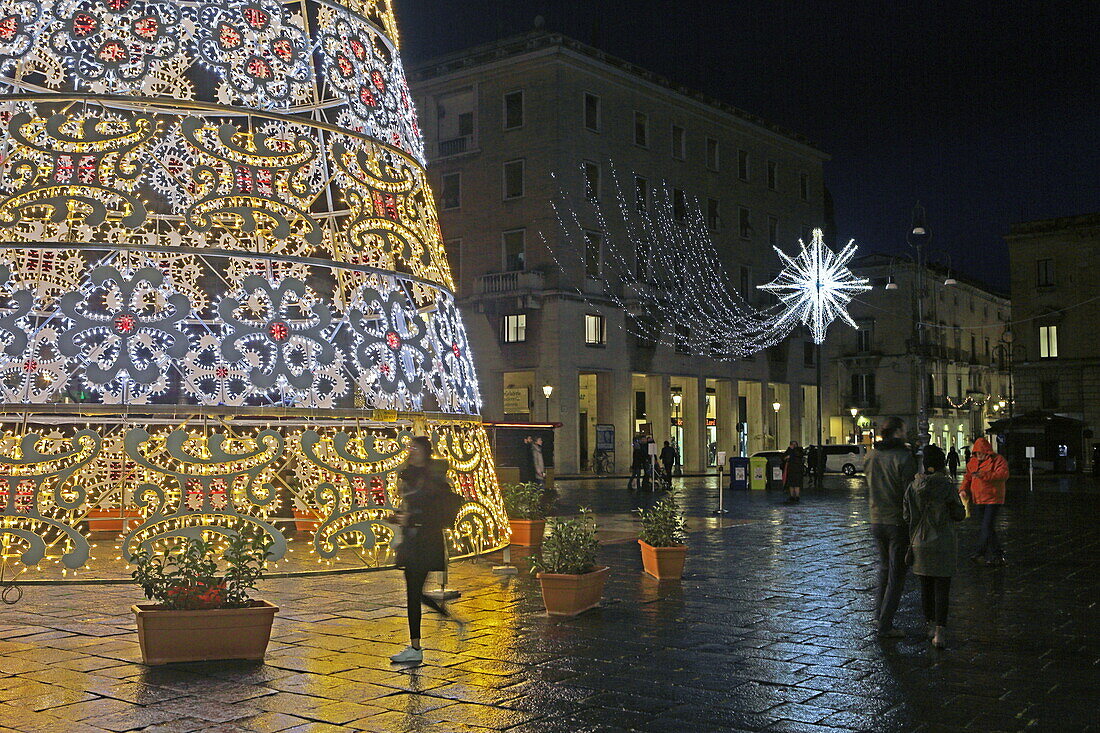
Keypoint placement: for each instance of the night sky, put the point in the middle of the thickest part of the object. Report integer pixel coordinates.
(987, 112)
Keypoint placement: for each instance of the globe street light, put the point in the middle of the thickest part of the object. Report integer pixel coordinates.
(547, 391)
(775, 408)
(855, 422)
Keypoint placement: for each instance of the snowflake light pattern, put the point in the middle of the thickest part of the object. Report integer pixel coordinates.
(816, 286)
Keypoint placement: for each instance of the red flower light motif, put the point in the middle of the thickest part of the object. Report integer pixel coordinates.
(366, 96)
(84, 25)
(344, 64)
(283, 49)
(30, 366)
(457, 351)
(125, 323)
(228, 36)
(221, 372)
(9, 28)
(258, 68)
(113, 52)
(378, 79)
(256, 18)
(278, 331)
(393, 340)
(117, 5)
(384, 368)
(358, 48)
(147, 28)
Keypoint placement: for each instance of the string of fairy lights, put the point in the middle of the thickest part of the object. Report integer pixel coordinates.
(666, 275)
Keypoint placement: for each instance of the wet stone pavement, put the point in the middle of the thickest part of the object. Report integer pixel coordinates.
(770, 630)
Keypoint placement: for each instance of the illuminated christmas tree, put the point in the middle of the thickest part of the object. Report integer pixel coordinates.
(223, 289)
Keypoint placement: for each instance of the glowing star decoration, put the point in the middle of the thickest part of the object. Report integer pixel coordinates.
(816, 286)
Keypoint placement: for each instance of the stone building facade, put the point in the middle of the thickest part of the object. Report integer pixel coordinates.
(1056, 309)
(875, 369)
(515, 125)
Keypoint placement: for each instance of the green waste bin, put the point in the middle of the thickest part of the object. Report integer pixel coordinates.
(758, 473)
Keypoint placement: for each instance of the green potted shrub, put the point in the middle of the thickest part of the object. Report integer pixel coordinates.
(566, 566)
(662, 539)
(526, 508)
(201, 611)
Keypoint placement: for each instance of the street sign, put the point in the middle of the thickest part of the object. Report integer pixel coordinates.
(1029, 452)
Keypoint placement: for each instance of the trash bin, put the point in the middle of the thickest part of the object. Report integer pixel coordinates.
(739, 473)
(775, 472)
(758, 473)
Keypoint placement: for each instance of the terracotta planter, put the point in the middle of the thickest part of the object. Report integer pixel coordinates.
(196, 636)
(109, 523)
(663, 563)
(569, 595)
(527, 532)
(305, 521)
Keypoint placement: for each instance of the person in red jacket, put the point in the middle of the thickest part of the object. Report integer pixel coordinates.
(983, 486)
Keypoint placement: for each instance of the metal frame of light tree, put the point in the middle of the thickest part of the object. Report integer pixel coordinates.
(215, 221)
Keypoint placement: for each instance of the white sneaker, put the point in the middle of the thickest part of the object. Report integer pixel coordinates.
(408, 655)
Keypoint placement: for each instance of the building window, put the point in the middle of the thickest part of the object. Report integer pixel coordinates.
(1044, 272)
(683, 335)
(773, 175)
(513, 328)
(714, 220)
(809, 350)
(595, 330)
(591, 112)
(679, 143)
(641, 129)
(743, 165)
(864, 338)
(712, 154)
(679, 205)
(1048, 399)
(641, 194)
(1048, 342)
(515, 249)
(863, 389)
(455, 122)
(450, 190)
(593, 253)
(773, 231)
(513, 179)
(744, 222)
(804, 186)
(591, 181)
(513, 110)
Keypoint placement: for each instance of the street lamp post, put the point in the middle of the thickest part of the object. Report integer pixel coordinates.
(547, 390)
(855, 424)
(918, 238)
(677, 398)
(776, 406)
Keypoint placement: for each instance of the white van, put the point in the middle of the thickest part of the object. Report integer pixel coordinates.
(846, 459)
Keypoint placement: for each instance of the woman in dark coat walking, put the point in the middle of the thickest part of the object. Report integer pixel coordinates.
(794, 468)
(931, 508)
(423, 486)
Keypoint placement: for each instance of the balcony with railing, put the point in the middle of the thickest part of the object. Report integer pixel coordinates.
(516, 282)
(455, 146)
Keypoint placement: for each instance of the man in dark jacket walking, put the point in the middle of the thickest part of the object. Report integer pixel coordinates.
(668, 459)
(953, 462)
(889, 469)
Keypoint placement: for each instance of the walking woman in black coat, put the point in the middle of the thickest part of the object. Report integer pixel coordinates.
(423, 487)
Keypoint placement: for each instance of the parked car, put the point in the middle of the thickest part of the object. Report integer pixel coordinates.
(846, 459)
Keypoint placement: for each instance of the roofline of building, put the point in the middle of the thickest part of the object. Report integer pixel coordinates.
(1045, 226)
(531, 41)
(940, 269)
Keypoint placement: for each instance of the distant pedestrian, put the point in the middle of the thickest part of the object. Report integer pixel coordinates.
(424, 489)
(966, 455)
(953, 462)
(539, 462)
(637, 463)
(811, 465)
(931, 508)
(889, 469)
(668, 459)
(526, 462)
(793, 471)
(983, 486)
